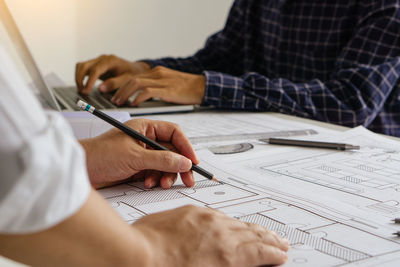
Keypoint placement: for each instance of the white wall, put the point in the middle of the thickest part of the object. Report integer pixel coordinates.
(50, 30)
(62, 32)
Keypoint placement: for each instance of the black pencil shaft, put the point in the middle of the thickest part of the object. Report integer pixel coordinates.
(396, 220)
(202, 171)
(144, 139)
(129, 131)
(305, 143)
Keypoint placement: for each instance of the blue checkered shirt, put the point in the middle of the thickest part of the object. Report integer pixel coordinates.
(333, 61)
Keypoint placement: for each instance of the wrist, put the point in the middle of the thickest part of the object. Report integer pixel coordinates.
(144, 250)
(92, 162)
(200, 88)
(161, 253)
(140, 67)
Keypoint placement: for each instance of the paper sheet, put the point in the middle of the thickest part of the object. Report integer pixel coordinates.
(85, 125)
(335, 207)
(229, 133)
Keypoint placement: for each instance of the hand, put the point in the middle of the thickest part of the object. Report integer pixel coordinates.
(105, 67)
(115, 156)
(160, 82)
(193, 236)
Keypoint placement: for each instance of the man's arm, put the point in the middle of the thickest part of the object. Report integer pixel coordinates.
(97, 236)
(94, 236)
(366, 77)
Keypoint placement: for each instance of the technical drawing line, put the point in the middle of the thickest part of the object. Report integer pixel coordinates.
(300, 237)
(158, 194)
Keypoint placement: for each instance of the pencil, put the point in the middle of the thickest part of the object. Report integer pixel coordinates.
(138, 136)
(304, 143)
(396, 220)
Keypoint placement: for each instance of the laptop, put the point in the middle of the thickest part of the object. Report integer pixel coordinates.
(65, 98)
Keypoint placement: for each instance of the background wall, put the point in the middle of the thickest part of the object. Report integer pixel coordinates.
(62, 32)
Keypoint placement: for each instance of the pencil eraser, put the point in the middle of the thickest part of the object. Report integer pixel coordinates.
(81, 104)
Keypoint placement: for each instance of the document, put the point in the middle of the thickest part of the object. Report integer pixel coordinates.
(335, 207)
(346, 200)
(227, 127)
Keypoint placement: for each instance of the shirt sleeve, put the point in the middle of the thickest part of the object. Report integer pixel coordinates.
(366, 74)
(365, 77)
(44, 178)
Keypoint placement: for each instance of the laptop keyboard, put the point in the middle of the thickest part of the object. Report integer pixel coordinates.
(71, 97)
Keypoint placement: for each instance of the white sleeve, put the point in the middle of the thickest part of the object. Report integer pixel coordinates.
(43, 171)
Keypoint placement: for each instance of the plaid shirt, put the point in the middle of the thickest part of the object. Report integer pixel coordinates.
(334, 61)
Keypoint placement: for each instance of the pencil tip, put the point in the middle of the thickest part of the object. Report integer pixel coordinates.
(215, 179)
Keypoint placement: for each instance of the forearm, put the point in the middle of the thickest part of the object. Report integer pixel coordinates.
(94, 236)
(341, 101)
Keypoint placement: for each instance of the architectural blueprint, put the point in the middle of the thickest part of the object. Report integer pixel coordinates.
(208, 127)
(335, 207)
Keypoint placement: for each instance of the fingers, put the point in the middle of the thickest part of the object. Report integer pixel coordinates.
(129, 85)
(160, 82)
(111, 84)
(148, 93)
(170, 132)
(165, 161)
(187, 178)
(168, 179)
(262, 246)
(256, 232)
(94, 69)
(94, 73)
(259, 253)
(103, 67)
(81, 70)
(152, 179)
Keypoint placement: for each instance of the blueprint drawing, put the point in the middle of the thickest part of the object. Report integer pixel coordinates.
(335, 207)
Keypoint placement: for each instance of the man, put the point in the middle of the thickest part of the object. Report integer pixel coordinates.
(335, 61)
(50, 216)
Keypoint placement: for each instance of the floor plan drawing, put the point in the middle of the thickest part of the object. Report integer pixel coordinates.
(336, 208)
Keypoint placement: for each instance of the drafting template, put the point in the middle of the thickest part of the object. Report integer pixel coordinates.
(335, 207)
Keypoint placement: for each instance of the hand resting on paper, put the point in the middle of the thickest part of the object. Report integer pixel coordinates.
(194, 236)
(114, 156)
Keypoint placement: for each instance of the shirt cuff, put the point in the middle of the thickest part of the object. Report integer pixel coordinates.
(223, 91)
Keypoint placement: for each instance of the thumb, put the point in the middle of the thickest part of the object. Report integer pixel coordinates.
(165, 161)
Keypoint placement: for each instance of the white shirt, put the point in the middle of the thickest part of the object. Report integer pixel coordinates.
(43, 171)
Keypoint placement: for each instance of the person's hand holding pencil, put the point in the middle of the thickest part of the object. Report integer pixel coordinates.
(115, 156)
